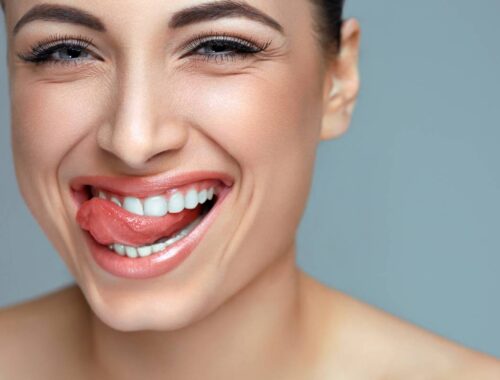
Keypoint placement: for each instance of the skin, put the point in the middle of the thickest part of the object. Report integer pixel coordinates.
(239, 307)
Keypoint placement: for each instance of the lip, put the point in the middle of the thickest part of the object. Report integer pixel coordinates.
(142, 187)
(159, 263)
(156, 264)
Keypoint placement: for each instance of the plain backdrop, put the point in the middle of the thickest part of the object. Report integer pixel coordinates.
(404, 211)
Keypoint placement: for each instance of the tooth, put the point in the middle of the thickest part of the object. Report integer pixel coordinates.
(191, 199)
(202, 196)
(210, 194)
(102, 194)
(133, 205)
(158, 247)
(120, 249)
(144, 251)
(155, 206)
(176, 203)
(131, 252)
(116, 201)
(172, 240)
(110, 246)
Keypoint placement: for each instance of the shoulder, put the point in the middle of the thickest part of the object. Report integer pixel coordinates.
(36, 334)
(369, 343)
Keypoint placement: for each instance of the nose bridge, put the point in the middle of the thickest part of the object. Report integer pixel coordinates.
(135, 120)
(133, 102)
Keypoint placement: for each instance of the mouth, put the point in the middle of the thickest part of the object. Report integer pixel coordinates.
(150, 231)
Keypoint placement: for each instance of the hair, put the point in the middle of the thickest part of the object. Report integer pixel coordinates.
(327, 24)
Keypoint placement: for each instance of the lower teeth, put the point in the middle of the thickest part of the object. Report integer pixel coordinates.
(160, 245)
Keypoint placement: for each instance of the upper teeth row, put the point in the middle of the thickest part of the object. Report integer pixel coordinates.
(159, 205)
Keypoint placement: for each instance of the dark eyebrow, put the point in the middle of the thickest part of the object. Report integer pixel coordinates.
(61, 13)
(219, 9)
(198, 13)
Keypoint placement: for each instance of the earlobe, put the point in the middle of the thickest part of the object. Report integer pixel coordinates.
(342, 83)
(336, 123)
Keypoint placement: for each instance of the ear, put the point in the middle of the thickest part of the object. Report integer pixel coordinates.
(341, 84)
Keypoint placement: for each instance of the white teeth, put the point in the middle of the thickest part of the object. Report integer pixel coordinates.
(119, 248)
(176, 203)
(155, 206)
(133, 205)
(131, 252)
(144, 251)
(191, 199)
(158, 205)
(158, 247)
(202, 196)
(147, 250)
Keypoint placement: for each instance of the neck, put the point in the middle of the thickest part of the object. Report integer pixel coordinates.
(254, 334)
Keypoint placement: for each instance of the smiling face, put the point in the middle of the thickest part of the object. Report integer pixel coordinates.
(138, 90)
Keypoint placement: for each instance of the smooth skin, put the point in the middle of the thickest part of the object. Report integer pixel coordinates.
(238, 307)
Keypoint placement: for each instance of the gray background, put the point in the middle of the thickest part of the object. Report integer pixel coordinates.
(404, 211)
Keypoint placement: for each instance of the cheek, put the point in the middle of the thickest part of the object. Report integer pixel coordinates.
(48, 119)
(256, 119)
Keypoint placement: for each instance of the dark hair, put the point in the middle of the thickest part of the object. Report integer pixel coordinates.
(327, 25)
(328, 20)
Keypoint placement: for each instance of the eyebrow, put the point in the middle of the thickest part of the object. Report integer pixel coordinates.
(61, 13)
(219, 9)
(204, 12)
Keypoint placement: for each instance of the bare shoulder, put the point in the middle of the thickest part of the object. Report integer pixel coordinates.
(371, 343)
(43, 330)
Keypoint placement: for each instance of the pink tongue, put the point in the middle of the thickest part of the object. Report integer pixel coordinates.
(108, 223)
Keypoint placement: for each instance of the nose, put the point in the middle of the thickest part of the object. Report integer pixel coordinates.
(141, 119)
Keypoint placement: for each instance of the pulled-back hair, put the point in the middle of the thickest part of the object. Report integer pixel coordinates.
(327, 25)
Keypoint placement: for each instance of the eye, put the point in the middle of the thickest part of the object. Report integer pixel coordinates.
(69, 52)
(222, 47)
(59, 50)
(218, 47)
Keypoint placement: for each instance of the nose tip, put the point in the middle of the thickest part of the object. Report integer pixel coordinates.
(137, 144)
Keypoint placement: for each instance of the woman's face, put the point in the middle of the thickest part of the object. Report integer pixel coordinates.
(139, 98)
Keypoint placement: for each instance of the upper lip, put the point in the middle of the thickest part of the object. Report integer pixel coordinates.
(147, 186)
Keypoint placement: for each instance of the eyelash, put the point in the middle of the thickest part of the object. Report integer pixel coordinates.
(41, 52)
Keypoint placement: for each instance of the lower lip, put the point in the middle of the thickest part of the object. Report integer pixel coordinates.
(159, 263)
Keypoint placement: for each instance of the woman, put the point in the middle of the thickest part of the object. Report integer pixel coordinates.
(166, 149)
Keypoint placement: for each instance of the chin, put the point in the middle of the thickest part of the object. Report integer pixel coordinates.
(151, 309)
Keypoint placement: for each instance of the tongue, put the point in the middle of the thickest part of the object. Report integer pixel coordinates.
(109, 223)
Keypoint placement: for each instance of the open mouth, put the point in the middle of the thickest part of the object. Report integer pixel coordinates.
(143, 227)
(167, 218)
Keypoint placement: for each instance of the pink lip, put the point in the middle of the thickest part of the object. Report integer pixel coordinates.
(146, 186)
(158, 263)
